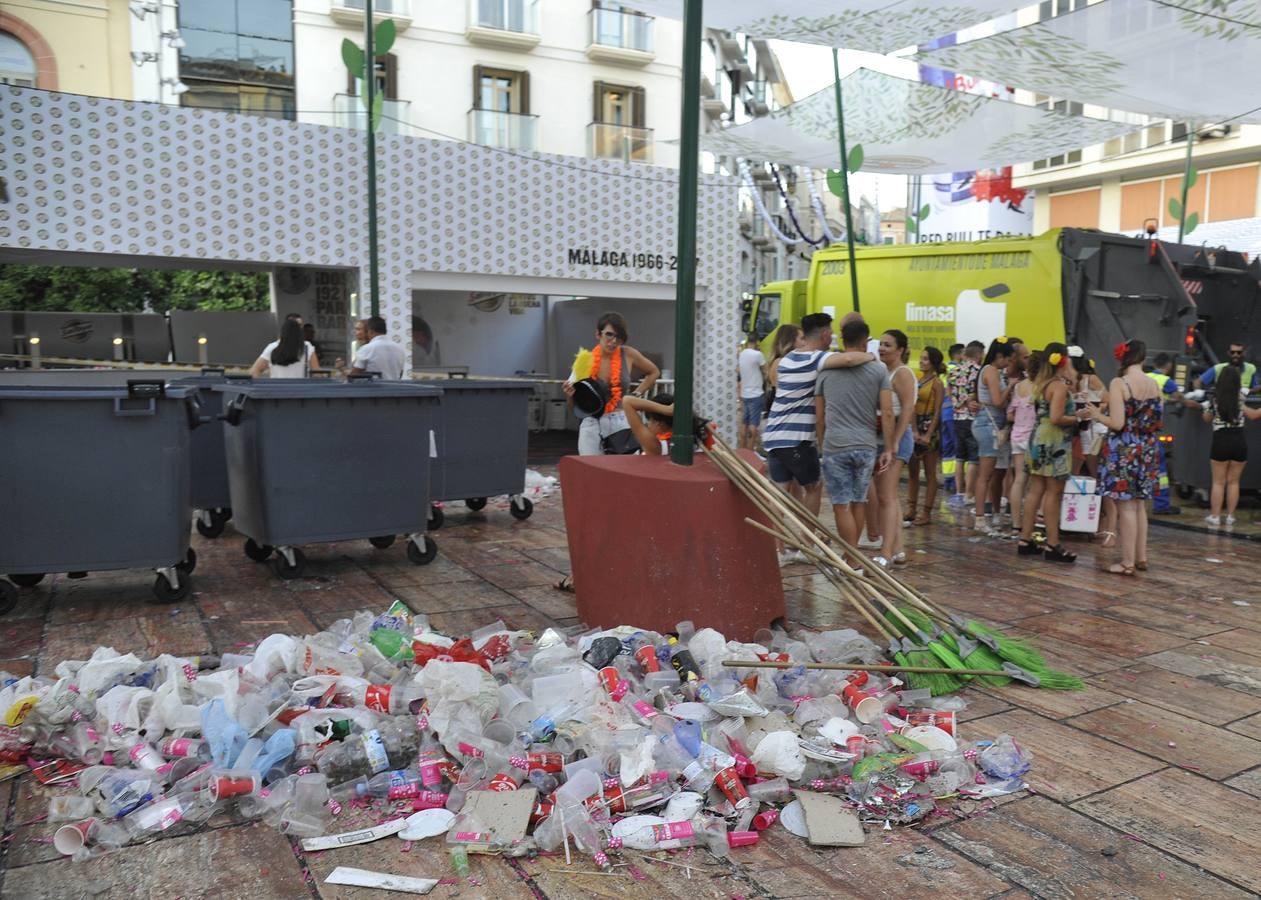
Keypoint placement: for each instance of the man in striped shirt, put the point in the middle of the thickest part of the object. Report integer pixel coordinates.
(792, 432)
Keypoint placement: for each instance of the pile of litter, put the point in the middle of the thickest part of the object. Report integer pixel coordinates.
(582, 744)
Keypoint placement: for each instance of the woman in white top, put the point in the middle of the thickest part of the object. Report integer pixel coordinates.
(289, 357)
(893, 344)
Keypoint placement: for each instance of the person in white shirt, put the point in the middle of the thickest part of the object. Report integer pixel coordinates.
(752, 378)
(288, 357)
(377, 353)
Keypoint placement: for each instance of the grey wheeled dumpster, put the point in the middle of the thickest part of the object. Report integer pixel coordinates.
(314, 461)
(208, 467)
(481, 443)
(96, 479)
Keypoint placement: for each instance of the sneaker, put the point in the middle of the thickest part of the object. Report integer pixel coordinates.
(899, 559)
(880, 561)
(982, 526)
(1214, 521)
(866, 543)
(1230, 520)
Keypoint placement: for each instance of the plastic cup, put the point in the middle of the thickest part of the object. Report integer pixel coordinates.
(70, 809)
(69, 839)
(500, 731)
(515, 707)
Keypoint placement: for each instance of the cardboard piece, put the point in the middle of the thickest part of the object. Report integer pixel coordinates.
(829, 821)
(383, 880)
(492, 820)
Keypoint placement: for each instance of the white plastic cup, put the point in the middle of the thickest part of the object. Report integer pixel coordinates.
(70, 839)
(515, 707)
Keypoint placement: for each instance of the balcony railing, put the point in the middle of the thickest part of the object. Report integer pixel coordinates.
(350, 113)
(621, 30)
(508, 131)
(622, 142)
(350, 12)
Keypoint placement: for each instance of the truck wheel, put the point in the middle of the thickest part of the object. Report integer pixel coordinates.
(213, 530)
(281, 566)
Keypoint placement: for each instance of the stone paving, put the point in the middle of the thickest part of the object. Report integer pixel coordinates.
(1146, 784)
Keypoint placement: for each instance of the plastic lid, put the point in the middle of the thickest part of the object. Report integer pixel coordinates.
(742, 838)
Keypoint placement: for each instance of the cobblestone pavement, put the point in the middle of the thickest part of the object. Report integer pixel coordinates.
(1148, 783)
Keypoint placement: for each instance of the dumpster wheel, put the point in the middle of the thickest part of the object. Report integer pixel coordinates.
(381, 543)
(212, 529)
(523, 510)
(258, 552)
(163, 591)
(8, 597)
(189, 565)
(422, 557)
(28, 580)
(281, 566)
(476, 503)
(436, 518)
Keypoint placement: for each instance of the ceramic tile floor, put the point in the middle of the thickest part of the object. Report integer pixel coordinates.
(1147, 784)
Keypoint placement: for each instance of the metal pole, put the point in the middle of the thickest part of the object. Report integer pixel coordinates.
(371, 88)
(685, 287)
(1186, 176)
(849, 219)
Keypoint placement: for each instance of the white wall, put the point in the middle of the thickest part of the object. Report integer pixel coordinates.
(435, 72)
(499, 342)
(650, 323)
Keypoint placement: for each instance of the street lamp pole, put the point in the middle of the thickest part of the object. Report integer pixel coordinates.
(685, 286)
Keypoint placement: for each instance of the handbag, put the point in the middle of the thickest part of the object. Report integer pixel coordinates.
(1001, 435)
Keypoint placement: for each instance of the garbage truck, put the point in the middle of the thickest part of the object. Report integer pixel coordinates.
(1075, 285)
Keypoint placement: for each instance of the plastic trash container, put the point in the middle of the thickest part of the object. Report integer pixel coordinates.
(95, 478)
(208, 467)
(481, 443)
(315, 461)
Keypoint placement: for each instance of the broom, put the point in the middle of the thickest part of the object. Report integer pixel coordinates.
(983, 647)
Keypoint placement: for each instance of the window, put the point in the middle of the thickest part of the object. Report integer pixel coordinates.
(386, 70)
(1072, 108)
(17, 66)
(509, 15)
(501, 90)
(618, 105)
(238, 56)
(613, 25)
(1049, 9)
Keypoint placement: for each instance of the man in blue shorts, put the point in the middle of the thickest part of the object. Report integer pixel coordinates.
(751, 375)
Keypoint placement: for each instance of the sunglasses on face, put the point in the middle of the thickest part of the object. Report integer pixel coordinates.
(608, 334)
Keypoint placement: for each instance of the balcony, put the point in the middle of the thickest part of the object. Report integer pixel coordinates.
(508, 131)
(511, 24)
(350, 12)
(621, 38)
(349, 112)
(755, 98)
(622, 142)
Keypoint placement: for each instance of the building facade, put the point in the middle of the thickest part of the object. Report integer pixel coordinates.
(80, 47)
(1125, 184)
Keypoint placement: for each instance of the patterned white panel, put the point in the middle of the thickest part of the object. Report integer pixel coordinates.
(90, 175)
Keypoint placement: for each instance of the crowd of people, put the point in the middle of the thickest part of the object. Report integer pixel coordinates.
(1007, 426)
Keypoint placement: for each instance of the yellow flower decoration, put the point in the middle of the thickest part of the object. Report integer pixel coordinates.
(1055, 359)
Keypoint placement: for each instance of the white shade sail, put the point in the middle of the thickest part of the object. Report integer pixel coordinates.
(908, 127)
(877, 25)
(1179, 59)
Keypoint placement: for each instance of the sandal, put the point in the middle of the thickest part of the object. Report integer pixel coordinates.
(1141, 565)
(1027, 548)
(1118, 569)
(922, 519)
(1059, 554)
(566, 584)
(1109, 539)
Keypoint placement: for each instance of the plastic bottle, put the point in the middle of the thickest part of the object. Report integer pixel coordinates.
(459, 860)
(545, 725)
(393, 744)
(663, 835)
(307, 814)
(183, 748)
(391, 699)
(682, 661)
(393, 645)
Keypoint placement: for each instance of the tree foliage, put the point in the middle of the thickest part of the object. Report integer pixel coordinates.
(74, 289)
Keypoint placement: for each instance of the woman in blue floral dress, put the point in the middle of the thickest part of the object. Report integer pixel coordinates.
(1131, 472)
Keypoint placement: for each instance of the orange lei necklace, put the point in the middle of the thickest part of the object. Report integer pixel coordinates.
(615, 376)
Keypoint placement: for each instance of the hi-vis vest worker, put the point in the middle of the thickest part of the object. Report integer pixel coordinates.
(1248, 377)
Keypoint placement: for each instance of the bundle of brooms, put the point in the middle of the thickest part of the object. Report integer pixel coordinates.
(936, 648)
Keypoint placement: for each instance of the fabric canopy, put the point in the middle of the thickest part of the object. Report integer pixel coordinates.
(877, 25)
(908, 127)
(1190, 60)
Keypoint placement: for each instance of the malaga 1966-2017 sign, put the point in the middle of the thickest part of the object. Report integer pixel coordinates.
(621, 259)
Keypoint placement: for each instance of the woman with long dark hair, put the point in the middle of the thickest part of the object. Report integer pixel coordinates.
(289, 356)
(989, 429)
(1131, 470)
(929, 394)
(1050, 458)
(1226, 412)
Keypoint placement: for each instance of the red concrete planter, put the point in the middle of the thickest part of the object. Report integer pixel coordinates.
(653, 544)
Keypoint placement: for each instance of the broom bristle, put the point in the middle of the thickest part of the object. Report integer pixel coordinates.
(937, 683)
(949, 659)
(985, 658)
(1058, 681)
(1012, 649)
(926, 624)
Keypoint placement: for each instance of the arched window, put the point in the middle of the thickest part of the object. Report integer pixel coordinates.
(17, 65)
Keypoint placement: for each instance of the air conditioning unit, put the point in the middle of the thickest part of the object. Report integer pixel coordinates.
(1215, 131)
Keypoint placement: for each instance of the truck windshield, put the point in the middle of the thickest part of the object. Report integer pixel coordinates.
(767, 315)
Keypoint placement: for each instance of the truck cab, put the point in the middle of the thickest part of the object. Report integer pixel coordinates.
(775, 303)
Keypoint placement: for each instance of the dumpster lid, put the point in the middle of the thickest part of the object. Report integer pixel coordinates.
(305, 389)
(138, 389)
